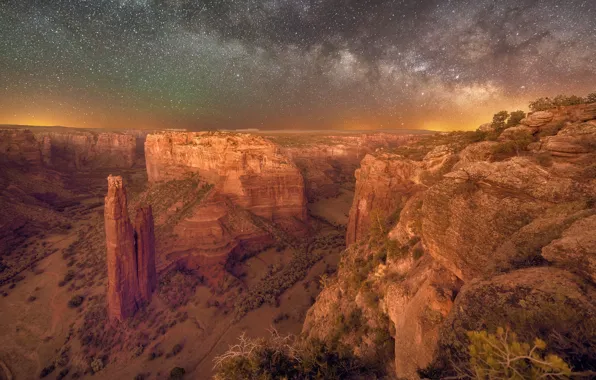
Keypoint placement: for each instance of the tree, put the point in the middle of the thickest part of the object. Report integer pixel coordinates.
(591, 98)
(499, 120)
(503, 356)
(514, 118)
(541, 104)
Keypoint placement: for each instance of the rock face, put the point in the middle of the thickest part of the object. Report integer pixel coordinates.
(247, 169)
(19, 146)
(479, 242)
(381, 185)
(219, 196)
(537, 119)
(145, 248)
(87, 150)
(328, 164)
(130, 253)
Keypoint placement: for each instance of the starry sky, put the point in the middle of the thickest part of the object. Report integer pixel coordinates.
(288, 64)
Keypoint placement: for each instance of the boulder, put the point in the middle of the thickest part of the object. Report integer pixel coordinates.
(575, 250)
(537, 119)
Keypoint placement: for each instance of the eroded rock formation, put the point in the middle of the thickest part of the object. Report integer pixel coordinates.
(481, 241)
(247, 169)
(218, 196)
(328, 163)
(130, 253)
(88, 150)
(19, 146)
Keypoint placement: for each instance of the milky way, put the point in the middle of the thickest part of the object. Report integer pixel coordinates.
(303, 64)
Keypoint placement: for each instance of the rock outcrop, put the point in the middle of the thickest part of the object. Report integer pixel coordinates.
(479, 241)
(145, 248)
(219, 196)
(19, 146)
(382, 184)
(130, 253)
(84, 150)
(247, 169)
(328, 163)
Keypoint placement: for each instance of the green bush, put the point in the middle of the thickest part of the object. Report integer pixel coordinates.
(514, 118)
(502, 356)
(76, 301)
(47, 370)
(499, 119)
(177, 373)
(284, 357)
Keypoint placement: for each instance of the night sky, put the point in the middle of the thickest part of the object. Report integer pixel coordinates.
(280, 64)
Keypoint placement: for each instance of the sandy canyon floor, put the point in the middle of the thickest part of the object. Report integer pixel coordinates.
(38, 327)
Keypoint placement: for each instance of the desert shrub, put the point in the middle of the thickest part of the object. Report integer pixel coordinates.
(417, 253)
(46, 371)
(177, 287)
(75, 301)
(274, 284)
(514, 118)
(176, 349)
(97, 365)
(564, 100)
(177, 373)
(279, 357)
(544, 159)
(519, 142)
(541, 104)
(503, 356)
(63, 373)
(499, 119)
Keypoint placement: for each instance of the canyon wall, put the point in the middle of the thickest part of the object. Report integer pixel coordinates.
(218, 196)
(247, 169)
(88, 150)
(19, 146)
(130, 253)
(328, 162)
(473, 236)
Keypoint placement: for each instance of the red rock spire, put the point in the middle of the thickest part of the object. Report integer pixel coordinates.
(130, 254)
(145, 238)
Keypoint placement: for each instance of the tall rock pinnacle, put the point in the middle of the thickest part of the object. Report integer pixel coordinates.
(145, 239)
(131, 262)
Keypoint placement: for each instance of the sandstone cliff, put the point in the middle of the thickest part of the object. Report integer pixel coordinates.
(130, 253)
(455, 234)
(19, 146)
(249, 170)
(328, 162)
(219, 196)
(88, 150)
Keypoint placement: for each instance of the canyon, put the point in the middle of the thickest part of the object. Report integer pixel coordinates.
(386, 248)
